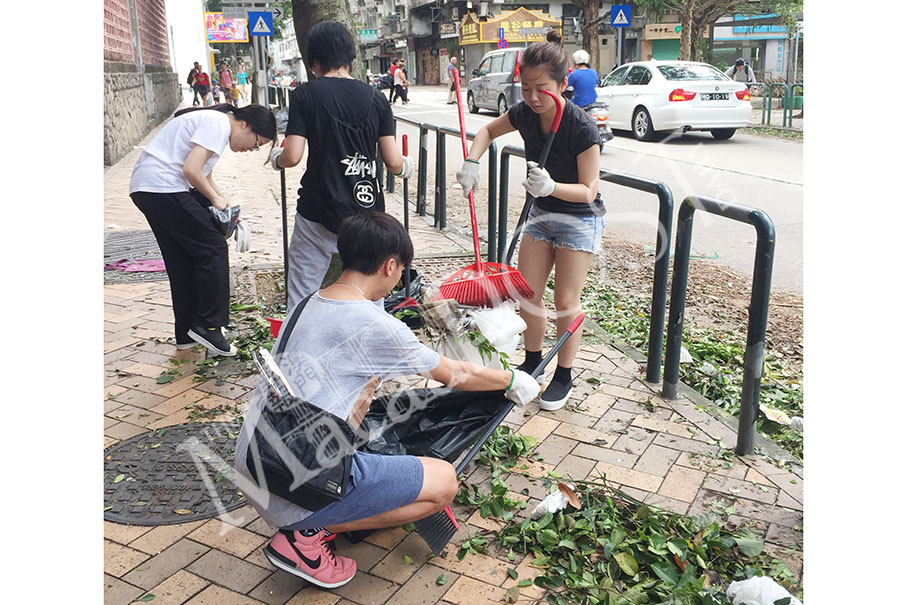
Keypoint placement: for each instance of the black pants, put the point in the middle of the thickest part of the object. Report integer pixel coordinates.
(194, 95)
(196, 257)
(400, 92)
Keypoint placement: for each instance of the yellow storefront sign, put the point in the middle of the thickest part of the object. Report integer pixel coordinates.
(518, 25)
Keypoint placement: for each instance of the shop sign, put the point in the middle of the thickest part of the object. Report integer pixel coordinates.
(517, 24)
(661, 31)
(448, 30)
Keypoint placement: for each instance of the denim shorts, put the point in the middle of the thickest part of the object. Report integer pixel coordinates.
(581, 232)
(377, 484)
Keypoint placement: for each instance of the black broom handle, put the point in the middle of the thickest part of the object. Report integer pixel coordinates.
(574, 326)
(524, 214)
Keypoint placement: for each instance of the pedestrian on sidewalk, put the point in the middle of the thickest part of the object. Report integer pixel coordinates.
(390, 94)
(565, 225)
(452, 72)
(351, 345)
(242, 83)
(191, 81)
(203, 85)
(741, 71)
(172, 184)
(400, 83)
(343, 120)
(225, 79)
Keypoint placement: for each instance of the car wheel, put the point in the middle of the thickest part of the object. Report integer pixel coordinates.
(502, 105)
(642, 125)
(471, 103)
(723, 133)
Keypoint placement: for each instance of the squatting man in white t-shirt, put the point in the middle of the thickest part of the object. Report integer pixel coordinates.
(339, 350)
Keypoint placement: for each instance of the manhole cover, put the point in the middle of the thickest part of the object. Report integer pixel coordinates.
(172, 475)
(132, 245)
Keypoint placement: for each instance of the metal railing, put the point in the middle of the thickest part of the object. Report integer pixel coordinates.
(440, 209)
(662, 246)
(758, 308)
(787, 118)
(767, 101)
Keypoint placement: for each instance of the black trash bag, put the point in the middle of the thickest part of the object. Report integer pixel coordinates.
(224, 220)
(437, 423)
(414, 292)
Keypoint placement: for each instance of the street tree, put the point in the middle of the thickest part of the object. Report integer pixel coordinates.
(591, 20)
(697, 15)
(307, 13)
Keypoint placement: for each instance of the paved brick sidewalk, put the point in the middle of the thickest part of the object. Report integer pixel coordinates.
(665, 452)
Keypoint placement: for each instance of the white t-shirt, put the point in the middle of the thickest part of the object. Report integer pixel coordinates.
(159, 168)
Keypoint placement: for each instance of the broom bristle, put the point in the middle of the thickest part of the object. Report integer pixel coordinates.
(499, 282)
(436, 530)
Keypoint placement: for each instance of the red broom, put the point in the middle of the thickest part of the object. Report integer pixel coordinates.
(481, 284)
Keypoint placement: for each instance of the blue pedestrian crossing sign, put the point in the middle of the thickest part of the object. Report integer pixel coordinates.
(261, 23)
(620, 15)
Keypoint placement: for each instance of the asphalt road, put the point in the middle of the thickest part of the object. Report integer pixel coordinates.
(759, 172)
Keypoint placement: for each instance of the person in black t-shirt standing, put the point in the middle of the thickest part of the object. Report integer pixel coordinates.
(565, 225)
(343, 121)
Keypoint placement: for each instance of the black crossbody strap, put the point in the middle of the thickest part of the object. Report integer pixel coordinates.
(290, 323)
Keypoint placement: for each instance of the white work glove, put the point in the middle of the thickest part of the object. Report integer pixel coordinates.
(468, 176)
(524, 388)
(407, 170)
(243, 236)
(539, 183)
(272, 157)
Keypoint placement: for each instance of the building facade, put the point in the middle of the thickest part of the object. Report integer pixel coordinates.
(140, 86)
(426, 33)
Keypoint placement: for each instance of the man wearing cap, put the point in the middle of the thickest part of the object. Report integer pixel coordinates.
(741, 71)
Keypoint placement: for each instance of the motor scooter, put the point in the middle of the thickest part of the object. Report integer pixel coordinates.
(598, 111)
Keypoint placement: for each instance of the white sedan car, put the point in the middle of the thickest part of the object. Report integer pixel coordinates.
(651, 96)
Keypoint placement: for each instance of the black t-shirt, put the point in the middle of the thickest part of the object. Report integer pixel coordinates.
(576, 134)
(341, 119)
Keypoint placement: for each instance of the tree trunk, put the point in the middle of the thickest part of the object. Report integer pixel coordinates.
(306, 13)
(686, 29)
(590, 32)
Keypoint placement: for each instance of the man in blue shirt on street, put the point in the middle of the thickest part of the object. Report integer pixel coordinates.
(583, 79)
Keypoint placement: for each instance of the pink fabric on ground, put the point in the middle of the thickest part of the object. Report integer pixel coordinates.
(134, 266)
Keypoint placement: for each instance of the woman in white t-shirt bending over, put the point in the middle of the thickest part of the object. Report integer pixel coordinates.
(172, 185)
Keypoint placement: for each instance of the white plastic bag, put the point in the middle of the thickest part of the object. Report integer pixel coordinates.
(500, 325)
(758, 590)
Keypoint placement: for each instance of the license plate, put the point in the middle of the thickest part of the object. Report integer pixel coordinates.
(714, 96)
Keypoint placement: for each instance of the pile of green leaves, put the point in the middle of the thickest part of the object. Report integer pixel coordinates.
(254, 330)
(501, 453)
(617, 550)
(718, 369)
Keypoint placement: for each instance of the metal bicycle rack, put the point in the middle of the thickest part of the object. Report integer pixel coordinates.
(758, 308)
(662, 246)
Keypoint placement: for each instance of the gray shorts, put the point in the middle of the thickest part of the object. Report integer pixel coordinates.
(377, 484)
(582, 232)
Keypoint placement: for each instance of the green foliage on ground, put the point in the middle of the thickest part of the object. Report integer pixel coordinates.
(615, 549)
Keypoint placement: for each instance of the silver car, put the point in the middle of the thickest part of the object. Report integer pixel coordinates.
(496, 82)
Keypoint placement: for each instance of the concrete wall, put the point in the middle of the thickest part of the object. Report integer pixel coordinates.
(140, 88)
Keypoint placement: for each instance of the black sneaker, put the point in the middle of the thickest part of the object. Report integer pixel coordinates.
(529, 369)
(213, 339)
(556, 395)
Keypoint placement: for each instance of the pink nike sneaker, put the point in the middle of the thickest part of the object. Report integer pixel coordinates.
(310, 558)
